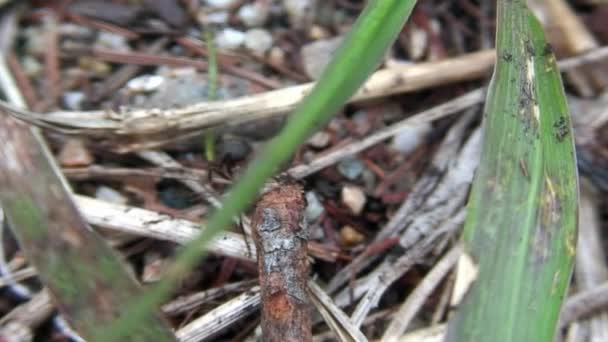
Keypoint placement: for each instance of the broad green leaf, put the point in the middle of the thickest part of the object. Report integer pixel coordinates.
(520, 232)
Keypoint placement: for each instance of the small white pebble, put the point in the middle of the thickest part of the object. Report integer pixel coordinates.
(214, 18)
(145, 83)
(73, 99)
(353, 198)
(299, 12)
(229, 39)
(410, 137)
(314, 207)
(220, 3)
(108, 194)
(319, 139)
(258, 41)
(253, 15)
(31, 66)
(113, 41)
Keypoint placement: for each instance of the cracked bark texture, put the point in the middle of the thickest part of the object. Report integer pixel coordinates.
(281, 235)
(89, 284)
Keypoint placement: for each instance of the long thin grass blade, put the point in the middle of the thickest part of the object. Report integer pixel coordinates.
(520, 232)
(359, 55)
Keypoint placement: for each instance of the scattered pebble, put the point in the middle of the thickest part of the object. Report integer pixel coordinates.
(253, 15)
(258, 41)
(75, 154)
(35, 41)
(154, 265)
(221, 3)
(214, 18)
(276, 56)
(314, 207)
(229, 39)
(234, 149)
(410, 137)
(97, 67)
(299, 12)
(353, 198)
(108, 194)
(350, 236)
(317, 32)
(351, 168)
(112, 41)
(319, 140)
(316, 55)
(31, 66)
(70, 30)
(417, 42)
(73, 99)
(145, 83)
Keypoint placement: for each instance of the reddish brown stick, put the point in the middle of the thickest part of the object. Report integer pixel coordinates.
(280, 237)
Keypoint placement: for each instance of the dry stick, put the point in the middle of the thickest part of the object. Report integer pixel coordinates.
(337, 320)
(583, 304)
(187, 303)
(164, 160)
(280, 236)
(590, 270)
(388, 273)
(218, 319)
(577, 39)
(445, 201)
(164, 126)
(113, 82)
(142, 122)
(416, 299)
(422, 190)
(30, 314)
(451, 107)
(151, 224)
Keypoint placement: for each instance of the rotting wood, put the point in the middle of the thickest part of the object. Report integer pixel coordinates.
(88, 281)
(280, 236)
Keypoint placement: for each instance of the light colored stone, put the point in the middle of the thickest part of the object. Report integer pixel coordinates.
(351, 168)
(353, 198)
(299, 12)
(253, 15)
(145, 83)
(220, 3)
(314, 207)
(73, 99)
(108, 194)
(230, 39)
(410, 137)
(316, 55)
(258, 41)
(112, 41)
(75, 154)
(350, 236)
(319, 140)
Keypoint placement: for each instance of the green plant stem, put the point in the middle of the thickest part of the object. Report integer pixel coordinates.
(212, 85)
(359, 55)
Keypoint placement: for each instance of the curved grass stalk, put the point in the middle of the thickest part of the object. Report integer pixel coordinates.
(520, 232)
(359, 55)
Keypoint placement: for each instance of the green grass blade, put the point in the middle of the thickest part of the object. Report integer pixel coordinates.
(212, 85)
(522, 214)
(362, 50)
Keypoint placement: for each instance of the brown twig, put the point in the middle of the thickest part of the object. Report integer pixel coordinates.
(23, 82)
(280, 238)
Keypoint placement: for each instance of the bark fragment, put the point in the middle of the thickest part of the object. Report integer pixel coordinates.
(280, 236)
